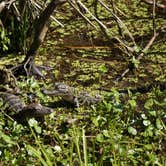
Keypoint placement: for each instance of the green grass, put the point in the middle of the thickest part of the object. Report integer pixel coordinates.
(115, 132)
(125, 129)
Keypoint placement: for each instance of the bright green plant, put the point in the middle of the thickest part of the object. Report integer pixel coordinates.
(4, 40)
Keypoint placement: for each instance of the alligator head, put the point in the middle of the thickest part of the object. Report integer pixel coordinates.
(35, 110)
(61, 90)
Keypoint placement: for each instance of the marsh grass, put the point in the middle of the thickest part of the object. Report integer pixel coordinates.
(114, 132)
(124, 129)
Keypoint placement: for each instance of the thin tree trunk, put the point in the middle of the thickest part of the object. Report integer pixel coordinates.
(41, 28)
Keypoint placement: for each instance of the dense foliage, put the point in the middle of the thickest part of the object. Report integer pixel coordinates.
(129, 126)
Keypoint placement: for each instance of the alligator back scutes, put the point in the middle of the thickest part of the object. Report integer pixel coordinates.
(23, 111)
(13, 101)
(84, 98)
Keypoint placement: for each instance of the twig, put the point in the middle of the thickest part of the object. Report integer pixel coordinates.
(82, 15)
(25, 66)
(151, 2)
(154, 15)
(122, 43)
(119, 21)
(53, 18)
(2, 6)
(17, 13)
(140, 55)
(9, 3)
(98, 21)
(147, 46)
(116, 20)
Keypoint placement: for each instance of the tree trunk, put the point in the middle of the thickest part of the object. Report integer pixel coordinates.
(40, 30)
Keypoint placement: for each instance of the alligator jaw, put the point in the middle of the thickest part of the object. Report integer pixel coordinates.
(66, 96)
(32, 110)
(36, 110)
(53, 92)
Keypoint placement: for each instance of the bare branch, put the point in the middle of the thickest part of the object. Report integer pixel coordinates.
(140, 55)
(147, 46)
(98, 21)
(154, 15)
(151, 2)
(52, 17)
(10, 2)
(82, 15)
(121, 24)
(2, 5)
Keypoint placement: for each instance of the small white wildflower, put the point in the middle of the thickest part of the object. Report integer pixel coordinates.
(57, 148)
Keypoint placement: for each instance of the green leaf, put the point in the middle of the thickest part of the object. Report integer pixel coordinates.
(159, 124)
(33, 123)
(148, 146)
(7, 139)
(106, 133)
(132, 103)
(137, 49)
(135, 62)
(103, 68)
(35, 152)
(95, 121)
(2, 34)
(38, 129)
(148, 104)
(100, 137)
(143, 116)
(132, 130)
(153, 113)
(149, 131)
(146, 122)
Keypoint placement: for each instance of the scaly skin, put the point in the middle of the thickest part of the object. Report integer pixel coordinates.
(14, 102)
(23, 111)
(35, 110)
(61, 90)
(68, 93)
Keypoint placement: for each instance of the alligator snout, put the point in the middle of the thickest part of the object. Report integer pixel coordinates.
(36, 110)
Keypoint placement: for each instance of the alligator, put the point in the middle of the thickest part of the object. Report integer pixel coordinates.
(68, 93)
(20, 110)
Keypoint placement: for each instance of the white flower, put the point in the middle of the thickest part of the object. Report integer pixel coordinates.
(57, 148)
